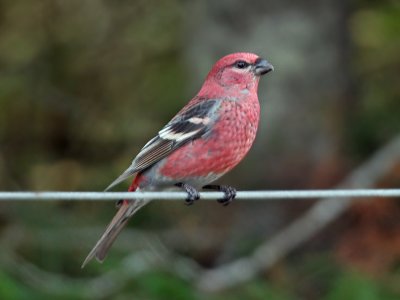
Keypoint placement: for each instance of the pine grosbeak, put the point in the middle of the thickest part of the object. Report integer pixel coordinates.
(206, 139)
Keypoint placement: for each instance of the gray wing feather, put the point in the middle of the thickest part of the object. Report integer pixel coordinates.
(191, 124)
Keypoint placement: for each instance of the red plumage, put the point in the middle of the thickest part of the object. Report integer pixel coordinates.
(206, 139)
(232, 137)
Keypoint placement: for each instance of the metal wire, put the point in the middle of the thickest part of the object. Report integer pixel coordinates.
(172, 195)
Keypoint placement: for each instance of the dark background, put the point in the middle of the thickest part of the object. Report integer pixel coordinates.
(84, 84)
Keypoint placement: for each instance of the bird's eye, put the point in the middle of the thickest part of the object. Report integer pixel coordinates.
(241, 64)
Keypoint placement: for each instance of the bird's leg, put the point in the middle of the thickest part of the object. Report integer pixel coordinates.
(118, 204)
(230, 192)
(193, 194)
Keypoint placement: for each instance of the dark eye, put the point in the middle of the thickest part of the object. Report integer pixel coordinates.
(241, 64)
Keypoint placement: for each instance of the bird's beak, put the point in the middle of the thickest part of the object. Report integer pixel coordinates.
(262, 66)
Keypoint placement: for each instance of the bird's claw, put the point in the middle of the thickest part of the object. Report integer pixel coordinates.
(193, 194)
(230, 193)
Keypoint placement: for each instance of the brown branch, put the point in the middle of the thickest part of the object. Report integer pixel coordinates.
(300, 230)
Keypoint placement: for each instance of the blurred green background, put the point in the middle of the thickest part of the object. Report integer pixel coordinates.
(84, 84)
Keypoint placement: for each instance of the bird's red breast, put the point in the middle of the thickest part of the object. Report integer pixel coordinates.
(223, 148)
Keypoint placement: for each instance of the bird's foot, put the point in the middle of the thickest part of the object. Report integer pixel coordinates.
(230, 192)
(193, 194)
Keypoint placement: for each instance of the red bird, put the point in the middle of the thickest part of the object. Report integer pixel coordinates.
(206, 139)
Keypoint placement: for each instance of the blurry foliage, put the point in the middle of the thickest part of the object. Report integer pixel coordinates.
(69, 70)
(84, 84)
(375, 34)
(372, 243)
(316, 278)
(352, 286)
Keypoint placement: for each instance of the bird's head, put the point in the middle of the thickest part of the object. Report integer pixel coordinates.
(238, 70)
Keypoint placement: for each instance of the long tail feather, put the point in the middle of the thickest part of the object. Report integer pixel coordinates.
(127, 173)
(127, 209)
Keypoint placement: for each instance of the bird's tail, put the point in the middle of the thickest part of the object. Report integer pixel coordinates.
(127, 209)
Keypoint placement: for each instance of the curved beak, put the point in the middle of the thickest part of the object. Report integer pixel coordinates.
(262, 66)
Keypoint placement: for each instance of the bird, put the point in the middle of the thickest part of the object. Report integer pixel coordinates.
(209, 136)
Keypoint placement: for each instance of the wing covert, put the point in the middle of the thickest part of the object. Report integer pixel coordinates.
(188, 125)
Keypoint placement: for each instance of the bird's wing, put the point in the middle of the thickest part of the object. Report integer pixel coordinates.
(190, 124)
